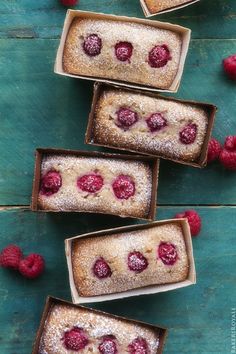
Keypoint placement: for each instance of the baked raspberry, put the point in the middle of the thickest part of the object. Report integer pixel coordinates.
(188, 134)
(75, 339)
(138, 346)
(228, 154)
(137, 262)
(214, 149)
(159, 56)
(10, 257)
(92, 45)
(91, 183)
(50, 183)
(101, 269)
(194, 220)
(123, 187)
(229, 65)
(167, 253)
(108, 345)
(31, 266)
(156, 122)
(123, 51)
(126, 117)
(69, 2)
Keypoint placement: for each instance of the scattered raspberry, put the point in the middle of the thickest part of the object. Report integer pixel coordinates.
(50, 183)
(229, 65)
(108, 345)
(138, 346)
(10, 257)
(137, 262)
(167, 253)
(156, 122)
(194, 221)
(75, 339)
(228, 154)
(123, 187)
(92, 45)
(31, 266)
(69, 2)
(91, 183)
(126, 117)
(123, 51)
(188, 134)
(159, 56)
(214, 149)
(101, 269)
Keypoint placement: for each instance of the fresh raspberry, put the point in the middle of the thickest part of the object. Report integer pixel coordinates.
(229, 65)
(10, 257)
(126, 117)
(188, 134)
(50, 183)
(194, 220)
(69, 2)
(123, 187)
(138, 346)
(123, 51)
(137, 262)
(108, 345)
(75, 339)
(31, 266)
(91, 183)
(156, 122)
(92, 45)
(228, 154)
(167, 253)
(101, 269)
(159, 56)
(214, 149)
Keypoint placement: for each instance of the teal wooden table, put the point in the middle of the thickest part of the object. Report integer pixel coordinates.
(39, 108)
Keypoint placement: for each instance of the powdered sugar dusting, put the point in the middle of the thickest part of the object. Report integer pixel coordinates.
(156, 6)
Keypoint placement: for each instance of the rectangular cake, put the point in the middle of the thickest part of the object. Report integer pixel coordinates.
(66, 328)
(150, 124)
(118, 261)
(157, 6)
(124, 50)
(95, 182)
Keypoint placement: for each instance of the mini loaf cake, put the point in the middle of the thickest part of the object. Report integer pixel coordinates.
(129, 260)
(123, 51)
(150, 125)
(70, 329)
(155, 6)
(95, 184)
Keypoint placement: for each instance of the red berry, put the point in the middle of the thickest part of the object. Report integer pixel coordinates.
(123, 51)
(229, 65)
(137, 262)
(159, 56)
(69, 2)
(91, 183)
(50, 183)
(101, 269)
(156, 122)
(126, 117)
(194, 220)
(31, 266)
(188, 134)
(10, 257)
(228, 154)
(92, 45)
(75, 339)
(138, 346)
(108, 345)
(123, 187)
(214, 149)
(167, 253)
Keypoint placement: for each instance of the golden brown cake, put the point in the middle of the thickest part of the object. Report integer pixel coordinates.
(123, 51)
(150, 125)
(155, 6)
(70, 329)
(129, 260)
(95, 184)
